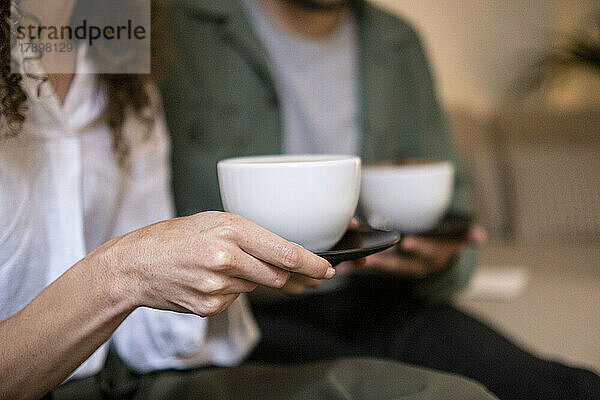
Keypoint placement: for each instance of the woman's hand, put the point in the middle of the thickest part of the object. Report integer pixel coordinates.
(200, 264)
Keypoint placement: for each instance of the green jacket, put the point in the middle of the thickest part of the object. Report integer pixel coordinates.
(220, 101)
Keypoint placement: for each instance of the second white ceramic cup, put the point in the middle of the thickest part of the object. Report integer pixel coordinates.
(409, 198)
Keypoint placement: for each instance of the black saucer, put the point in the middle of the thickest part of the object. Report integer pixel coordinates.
(360, 243)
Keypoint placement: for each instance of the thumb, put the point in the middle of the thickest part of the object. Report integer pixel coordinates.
(477, 235)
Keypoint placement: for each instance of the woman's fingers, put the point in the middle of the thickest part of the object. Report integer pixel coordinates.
(238, 285)
(232, 262)
(202, 258)
(215, 304)
(275, 250)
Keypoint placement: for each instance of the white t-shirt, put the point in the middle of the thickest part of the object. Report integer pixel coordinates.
(317, 82)
(62, 194)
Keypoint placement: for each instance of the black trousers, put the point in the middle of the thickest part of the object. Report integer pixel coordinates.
(373, 316)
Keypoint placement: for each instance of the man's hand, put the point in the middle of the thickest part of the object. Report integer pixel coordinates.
(298, 284)
(417, 256)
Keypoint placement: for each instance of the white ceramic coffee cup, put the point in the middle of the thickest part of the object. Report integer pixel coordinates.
(410, 198)
(307, 199)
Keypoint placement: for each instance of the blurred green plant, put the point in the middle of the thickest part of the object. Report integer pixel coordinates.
(579, 51)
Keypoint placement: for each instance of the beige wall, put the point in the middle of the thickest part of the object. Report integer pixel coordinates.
(479, 47)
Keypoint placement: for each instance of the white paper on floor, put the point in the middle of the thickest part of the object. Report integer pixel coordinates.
(501, 283)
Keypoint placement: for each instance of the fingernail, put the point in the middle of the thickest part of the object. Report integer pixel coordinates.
(330, 273)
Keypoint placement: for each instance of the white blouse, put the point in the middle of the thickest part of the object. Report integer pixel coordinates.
(62, 194)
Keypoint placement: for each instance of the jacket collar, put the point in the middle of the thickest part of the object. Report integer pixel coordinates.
(379, 38)
(236, 27)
